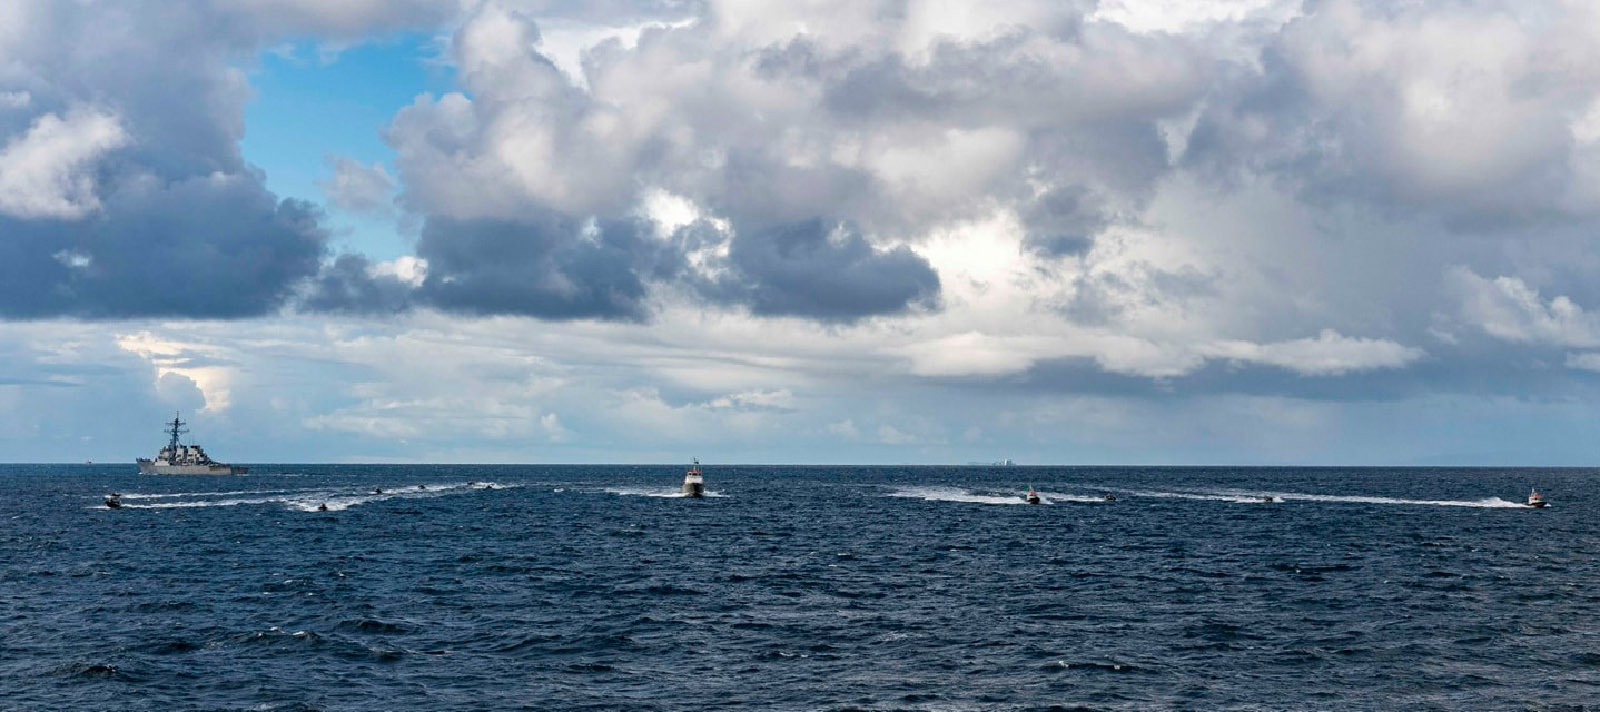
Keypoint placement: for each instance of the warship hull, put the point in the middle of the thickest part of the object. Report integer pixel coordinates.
(148, 467)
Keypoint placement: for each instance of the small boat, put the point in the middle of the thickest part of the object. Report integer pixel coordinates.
(1536, 500)
(114, 501)
(694, 484)
(1031, 497)
(377, 490)
(1267, 499)
(322, 507)
(1110, 497)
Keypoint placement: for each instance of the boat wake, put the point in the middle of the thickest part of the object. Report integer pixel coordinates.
(665, 492)
(1234, 498)
(1488, 502)
(1084, 498)
(956, 494)
(327, 499)
(1250, 497)
(180, 495)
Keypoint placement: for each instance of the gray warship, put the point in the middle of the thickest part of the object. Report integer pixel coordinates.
(175, 459)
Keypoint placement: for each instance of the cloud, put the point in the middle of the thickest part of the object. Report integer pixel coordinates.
(359, 188)
(1507, 308)
(122, 189)
(185, 369)
(1327, 354)
(976, 354)
(1585, 361)
(215, 246)
(48, 172)
(851, 132)
(775, 400)
(819, 269)
(353, 285)
(552, 266)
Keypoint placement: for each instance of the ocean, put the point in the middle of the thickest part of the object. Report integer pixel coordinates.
(798, 588)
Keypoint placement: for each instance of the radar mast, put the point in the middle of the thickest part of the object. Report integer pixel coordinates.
(175, 428)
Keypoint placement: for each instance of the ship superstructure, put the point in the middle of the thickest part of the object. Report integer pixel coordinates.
(694, 484)
(179, 459)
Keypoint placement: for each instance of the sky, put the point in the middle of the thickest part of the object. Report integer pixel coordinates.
(1252, 232)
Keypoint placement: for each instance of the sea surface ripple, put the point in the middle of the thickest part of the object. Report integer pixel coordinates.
(798, 588)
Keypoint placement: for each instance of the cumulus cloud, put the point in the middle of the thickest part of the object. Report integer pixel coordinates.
(816, 268)
(550, 266)
(48, 172)
(122, 189)
(869, 127)
(212, 246)
(1507, 308)
(359, 188)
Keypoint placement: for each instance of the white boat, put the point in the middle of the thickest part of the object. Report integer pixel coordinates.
(694, 484)
(1536, 500)
(176, 459)
(1032, 497)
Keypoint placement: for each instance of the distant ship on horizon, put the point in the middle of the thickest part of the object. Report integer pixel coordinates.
(176, 459)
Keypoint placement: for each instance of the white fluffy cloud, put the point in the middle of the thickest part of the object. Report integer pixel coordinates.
(1507, 308)
(49, 171)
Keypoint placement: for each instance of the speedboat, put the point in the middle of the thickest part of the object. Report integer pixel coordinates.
(114, 501)
(1267, 499)
(322, 507)
(1031, 497)
(1110, 497)
(1536, 500)
(694, 484)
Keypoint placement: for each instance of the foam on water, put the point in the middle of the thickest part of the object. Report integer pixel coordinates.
(1083, 498)
(1234, 498)
(1253, 497)
(1487, 502)
(176, 495)
(665, 492)
(957, 494)
(311, 500)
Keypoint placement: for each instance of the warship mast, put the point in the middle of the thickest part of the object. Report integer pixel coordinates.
(175, 430)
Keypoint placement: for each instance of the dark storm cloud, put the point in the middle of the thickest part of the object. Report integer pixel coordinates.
(552, 267)
(820, 269)
(348, 287)
(207, 247)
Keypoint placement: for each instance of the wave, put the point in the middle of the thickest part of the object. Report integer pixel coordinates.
(672, 492)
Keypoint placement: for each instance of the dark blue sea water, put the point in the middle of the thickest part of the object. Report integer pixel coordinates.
(825, 588)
